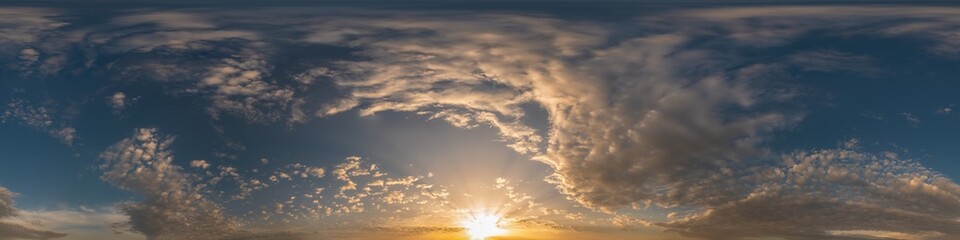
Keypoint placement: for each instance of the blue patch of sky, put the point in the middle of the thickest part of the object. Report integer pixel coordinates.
(840, 105)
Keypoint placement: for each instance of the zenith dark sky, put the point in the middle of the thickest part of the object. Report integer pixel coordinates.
(479, 120)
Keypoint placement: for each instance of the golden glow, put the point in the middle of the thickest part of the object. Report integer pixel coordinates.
(482, 226)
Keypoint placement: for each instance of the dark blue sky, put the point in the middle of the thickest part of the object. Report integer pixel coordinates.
(614, 119)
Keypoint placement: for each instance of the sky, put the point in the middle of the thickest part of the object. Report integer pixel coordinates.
(466, 120)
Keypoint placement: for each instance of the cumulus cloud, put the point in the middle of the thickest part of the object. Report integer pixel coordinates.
(239, 85)
(175, 205)
(316, 172)
(627, 108)
(649, 120)
(363, 187)
(231, 71)
(817, 193)
(199, 164)
(30, 38)
(28, 57)
(118, 101)
(43, 117)
(172, 207)
(639, 116)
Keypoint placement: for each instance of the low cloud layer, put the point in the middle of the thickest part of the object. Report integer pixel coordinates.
(819, 191)
(9, 230)
(6, 203)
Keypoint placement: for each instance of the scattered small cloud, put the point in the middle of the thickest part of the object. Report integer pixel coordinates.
(947, 110)
(28, 57)
(199, 164)
(629, 123)
(912, 119)
(43, 117)
(874, 116)
(118, 101)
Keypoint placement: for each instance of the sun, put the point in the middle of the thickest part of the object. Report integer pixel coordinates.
(482, 226)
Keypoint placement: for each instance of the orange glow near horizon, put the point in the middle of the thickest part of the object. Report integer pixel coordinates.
(483, 226)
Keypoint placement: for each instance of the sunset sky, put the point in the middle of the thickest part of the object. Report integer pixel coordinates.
(470, 120)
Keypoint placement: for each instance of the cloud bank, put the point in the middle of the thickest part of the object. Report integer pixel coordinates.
(10, 230)
(654, 120)
(650, 113)
(172, 207)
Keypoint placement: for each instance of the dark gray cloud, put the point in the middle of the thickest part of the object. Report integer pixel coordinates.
(172, 207)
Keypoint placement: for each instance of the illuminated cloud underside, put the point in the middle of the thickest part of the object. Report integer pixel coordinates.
(646, 121)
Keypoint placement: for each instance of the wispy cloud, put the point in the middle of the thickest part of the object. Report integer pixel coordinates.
(9, 230)
(912, 119)
(636, 118)
(831, 61)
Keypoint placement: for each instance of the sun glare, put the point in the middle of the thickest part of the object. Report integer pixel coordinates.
(482, 226)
